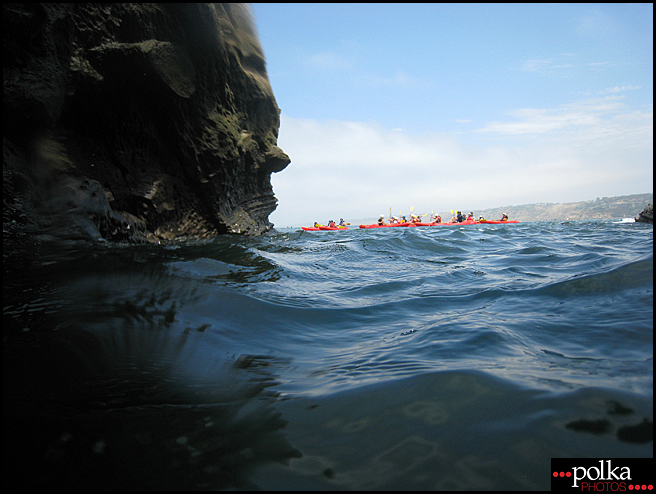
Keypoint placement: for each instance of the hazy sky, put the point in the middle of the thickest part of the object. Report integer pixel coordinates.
(439, 107)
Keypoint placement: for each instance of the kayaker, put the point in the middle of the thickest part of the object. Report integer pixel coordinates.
(438, 219)
(470, 216)
(341, 222)
(504, 217)
(480, 218)
(316, 225)
(415, 218)
(381, 220)
(332, 224)
(403, 220)
(460, 217)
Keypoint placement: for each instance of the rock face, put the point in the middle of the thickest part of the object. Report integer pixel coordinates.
(136, 121)
(647, 215)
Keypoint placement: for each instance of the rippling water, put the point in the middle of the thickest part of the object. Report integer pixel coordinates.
(423, 358)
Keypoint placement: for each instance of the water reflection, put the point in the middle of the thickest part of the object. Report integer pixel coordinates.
(454, 430)
(126, 394)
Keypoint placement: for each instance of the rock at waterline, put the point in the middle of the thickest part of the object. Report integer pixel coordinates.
(647, 215)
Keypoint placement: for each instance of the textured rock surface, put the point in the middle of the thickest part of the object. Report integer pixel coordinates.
(647, 215)
(136, 121)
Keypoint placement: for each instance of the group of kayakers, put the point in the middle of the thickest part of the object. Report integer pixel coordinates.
(458, 217)
(332, 224)
(395, 220)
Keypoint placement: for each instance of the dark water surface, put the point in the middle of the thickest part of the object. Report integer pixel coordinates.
(425, 358)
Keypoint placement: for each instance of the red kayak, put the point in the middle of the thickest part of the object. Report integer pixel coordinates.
(376, 225)
(448, 223)
(315, 229)
(443, 223)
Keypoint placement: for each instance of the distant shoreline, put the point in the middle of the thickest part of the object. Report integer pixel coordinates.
(602, 208)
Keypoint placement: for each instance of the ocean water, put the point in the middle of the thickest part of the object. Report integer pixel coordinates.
(454, 357)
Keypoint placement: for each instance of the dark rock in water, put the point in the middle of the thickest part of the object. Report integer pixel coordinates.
(647, 215)
(136, 122)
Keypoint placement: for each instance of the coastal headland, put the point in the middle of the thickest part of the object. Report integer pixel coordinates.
(137, 122)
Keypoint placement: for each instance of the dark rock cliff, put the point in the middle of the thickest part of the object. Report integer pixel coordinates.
(136, 122)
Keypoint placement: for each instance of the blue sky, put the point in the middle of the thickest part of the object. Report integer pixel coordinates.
(439, 106)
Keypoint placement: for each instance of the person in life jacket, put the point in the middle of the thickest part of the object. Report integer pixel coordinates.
(341, 222)
(332, 224)
(504, 217)
(381, 220)
(460, 217)
(470, 216)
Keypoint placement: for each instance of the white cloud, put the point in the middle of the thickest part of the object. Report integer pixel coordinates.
(594, 23)
(588, 119)
(328, 61)
(536, 65)
(359, 170)
(599, 65)
(562, 65)
(618, 89)
(400, 79)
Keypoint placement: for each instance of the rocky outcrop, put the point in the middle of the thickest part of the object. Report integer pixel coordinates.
(136, 121)
(647, 215)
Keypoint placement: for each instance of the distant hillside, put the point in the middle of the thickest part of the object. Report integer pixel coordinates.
(600, 208)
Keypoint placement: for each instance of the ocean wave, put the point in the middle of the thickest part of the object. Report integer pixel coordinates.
(634, 275)
(376, 355)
